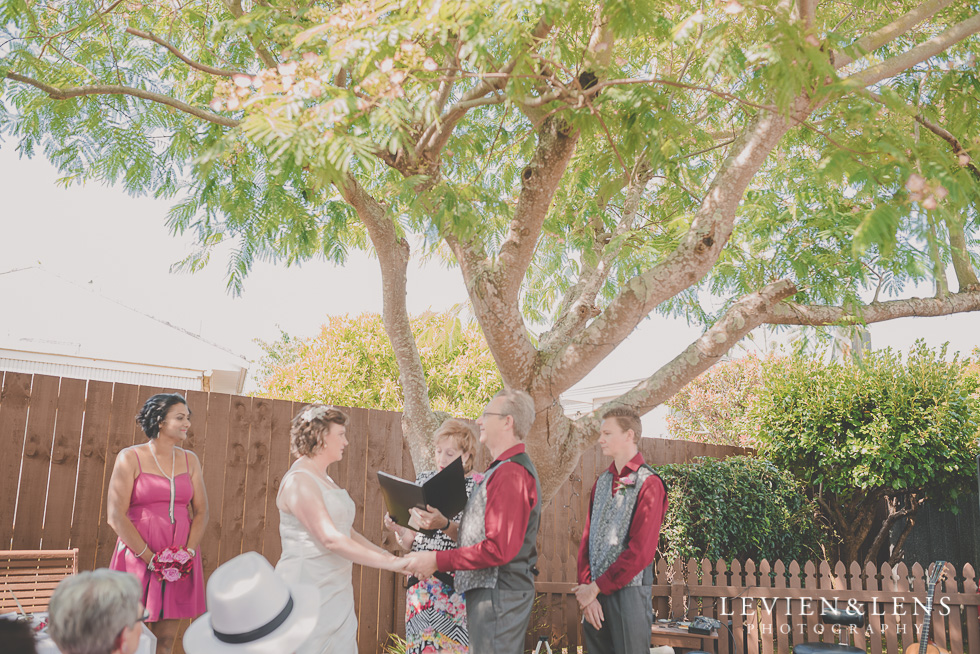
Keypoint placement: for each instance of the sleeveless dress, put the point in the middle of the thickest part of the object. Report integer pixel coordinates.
(149, 510)
(435, 614)
(305, 560)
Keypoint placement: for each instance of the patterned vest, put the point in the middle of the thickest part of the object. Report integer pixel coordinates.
(515, 574)
(610, 526)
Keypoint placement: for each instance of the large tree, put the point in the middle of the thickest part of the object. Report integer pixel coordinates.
(582, 164)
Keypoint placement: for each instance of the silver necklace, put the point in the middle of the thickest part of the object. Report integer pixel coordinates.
(170, 477)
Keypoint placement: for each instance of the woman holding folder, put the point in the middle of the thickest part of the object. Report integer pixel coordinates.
(435, 615)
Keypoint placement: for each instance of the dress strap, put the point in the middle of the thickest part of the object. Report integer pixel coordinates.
(292, 471)
(137, 453)
(187, 463)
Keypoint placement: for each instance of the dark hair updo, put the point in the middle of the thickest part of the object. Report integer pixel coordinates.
(155, 410)
(310, 425)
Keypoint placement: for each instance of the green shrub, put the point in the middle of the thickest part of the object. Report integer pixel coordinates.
(738, 508)
(881, 432)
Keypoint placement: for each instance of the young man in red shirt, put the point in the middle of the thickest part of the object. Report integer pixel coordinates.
(615, 558)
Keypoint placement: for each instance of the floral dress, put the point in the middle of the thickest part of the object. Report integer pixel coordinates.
(435, 615)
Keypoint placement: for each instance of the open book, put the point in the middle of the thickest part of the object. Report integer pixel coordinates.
(446, 491)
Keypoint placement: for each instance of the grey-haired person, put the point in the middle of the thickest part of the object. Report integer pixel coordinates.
(495, 560)
(97, 612)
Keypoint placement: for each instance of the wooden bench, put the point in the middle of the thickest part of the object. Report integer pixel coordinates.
(31, 576)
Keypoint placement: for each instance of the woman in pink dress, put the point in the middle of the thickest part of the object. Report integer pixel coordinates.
(157, 500)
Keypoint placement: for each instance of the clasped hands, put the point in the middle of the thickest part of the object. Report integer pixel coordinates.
(587, 596)
(418, 564)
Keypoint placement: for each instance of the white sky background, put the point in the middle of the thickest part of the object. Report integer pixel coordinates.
(122, 246)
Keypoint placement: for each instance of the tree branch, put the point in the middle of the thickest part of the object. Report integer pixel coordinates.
(935, 128)
(222, 72)
(918, 54)
(914, 503)
(745, 315)
(688, 263)
(235, 8)
(117, 89)
(788, 313)
(871, 42)
(502, 322)
(966, 276)
(578, 306)
(540, 180)
(541, 177)
(393, 256)
(807, 9)
(436, 135)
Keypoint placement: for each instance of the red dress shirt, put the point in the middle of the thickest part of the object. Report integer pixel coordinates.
(511, 494)
(644, 534)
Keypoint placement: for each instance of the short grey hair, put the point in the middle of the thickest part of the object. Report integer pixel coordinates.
(519, 406)
(88, 611)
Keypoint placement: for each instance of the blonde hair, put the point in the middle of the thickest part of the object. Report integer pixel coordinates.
(627, 418)
(308, 428)
(462, 436)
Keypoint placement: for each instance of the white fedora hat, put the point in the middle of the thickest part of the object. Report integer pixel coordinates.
(252, 611)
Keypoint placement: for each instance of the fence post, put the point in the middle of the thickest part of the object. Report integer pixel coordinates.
(677, 587)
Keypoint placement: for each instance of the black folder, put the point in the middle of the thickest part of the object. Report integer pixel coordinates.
(446, 491)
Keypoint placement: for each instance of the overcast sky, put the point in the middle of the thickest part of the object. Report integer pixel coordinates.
(122, 246)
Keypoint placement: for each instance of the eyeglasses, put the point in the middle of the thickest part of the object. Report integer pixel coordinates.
(142, 618)
(492, 413)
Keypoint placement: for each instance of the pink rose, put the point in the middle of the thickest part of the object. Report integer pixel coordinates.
(170, 574)
(165, 556)
(182, 556)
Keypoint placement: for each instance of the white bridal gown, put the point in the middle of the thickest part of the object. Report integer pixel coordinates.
(305, 560)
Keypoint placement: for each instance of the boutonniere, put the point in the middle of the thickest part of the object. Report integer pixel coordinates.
(620, 485)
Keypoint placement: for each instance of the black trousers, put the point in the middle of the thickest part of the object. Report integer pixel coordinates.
(627, 619)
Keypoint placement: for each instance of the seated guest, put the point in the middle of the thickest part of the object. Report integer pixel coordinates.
(17, 637)
(97, 612)
(251, 610)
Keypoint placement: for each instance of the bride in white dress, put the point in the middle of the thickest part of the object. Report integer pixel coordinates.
(315, 517)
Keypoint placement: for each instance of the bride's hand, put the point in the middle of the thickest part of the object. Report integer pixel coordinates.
(400, 566)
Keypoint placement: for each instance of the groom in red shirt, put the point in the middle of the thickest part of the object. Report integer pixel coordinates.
(495, 561)
(615, 558)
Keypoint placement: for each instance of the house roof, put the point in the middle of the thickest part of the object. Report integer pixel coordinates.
(44, 314)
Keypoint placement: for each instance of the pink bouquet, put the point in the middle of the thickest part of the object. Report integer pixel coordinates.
(172, 563)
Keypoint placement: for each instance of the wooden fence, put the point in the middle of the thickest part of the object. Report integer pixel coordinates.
(768, 608)
(60, 438)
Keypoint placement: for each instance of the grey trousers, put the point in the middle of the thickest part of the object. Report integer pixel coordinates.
(497, 620)
(627, 619)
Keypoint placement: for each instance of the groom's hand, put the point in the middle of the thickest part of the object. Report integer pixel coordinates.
(593, 614)
(421, 564)
(586, 594)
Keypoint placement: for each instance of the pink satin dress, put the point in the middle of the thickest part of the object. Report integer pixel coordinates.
(149, 509)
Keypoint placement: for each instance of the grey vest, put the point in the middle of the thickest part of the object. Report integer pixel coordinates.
(610, 524)
(515, 574)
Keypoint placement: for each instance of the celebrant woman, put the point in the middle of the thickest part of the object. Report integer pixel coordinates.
(316, 517)
(158, 507)
(435, 614)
